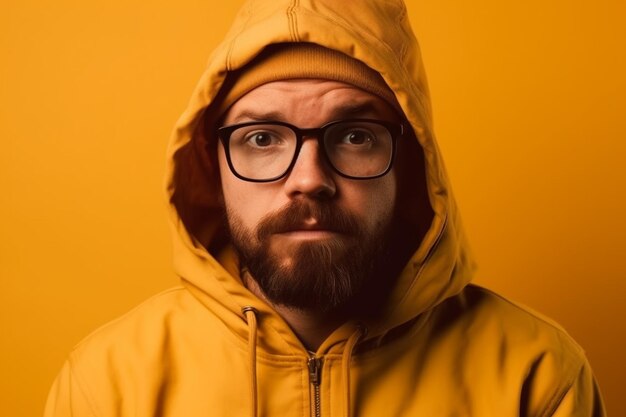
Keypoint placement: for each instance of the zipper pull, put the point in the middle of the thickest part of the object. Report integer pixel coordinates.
(315, 370)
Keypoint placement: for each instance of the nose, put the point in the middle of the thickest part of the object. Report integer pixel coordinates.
(310, 176)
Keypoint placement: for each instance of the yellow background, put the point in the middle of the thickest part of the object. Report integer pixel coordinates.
(529, 102)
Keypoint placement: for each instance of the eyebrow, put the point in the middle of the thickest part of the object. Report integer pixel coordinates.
(251, 115)
(367, 108)
(351, 110)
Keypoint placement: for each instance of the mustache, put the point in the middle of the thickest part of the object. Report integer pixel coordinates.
(294, 215)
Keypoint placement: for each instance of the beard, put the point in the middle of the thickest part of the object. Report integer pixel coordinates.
(351, 270)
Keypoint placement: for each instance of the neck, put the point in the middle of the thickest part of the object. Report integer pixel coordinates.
(311, 327)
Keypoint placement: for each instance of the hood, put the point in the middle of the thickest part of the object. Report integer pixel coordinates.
(375, 32)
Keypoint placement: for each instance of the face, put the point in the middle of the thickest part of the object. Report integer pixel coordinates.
(312, 239)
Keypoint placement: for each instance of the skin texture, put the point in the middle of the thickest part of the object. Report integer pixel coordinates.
(307, 103)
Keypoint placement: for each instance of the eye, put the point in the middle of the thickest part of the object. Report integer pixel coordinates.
(261, 139)
(357, 137)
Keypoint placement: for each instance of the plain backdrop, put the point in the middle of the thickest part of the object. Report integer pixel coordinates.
(529, 100)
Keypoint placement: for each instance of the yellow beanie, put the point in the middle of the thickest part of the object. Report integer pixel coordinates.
(301, 61)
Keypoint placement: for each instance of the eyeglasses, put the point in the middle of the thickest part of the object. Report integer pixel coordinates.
(267, 151)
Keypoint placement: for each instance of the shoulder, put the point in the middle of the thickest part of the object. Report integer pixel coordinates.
(505, 336)
(148, 317)
(494, 316)
(129, 358)
(514, 317)
(512, 346)
(159, 326)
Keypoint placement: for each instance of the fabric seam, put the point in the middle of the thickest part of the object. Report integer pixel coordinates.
(404, 48)
(429, 255)
(363, 36)
(74, 374)
(292, 21)
(556, 399)
(231, 47)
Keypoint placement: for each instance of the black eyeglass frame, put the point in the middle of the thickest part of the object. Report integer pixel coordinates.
(396, 129)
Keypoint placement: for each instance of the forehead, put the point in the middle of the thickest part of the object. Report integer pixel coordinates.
(308, 103)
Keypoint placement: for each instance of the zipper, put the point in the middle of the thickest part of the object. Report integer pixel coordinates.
(315, 377)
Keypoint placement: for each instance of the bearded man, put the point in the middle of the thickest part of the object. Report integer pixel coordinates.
(324, 268)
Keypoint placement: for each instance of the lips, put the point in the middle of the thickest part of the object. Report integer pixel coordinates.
(309, 235)
(310, 225)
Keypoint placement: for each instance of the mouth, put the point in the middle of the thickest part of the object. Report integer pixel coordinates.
(309, 234)
(310, 230)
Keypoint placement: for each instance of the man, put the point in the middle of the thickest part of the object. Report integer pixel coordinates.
(324, 267)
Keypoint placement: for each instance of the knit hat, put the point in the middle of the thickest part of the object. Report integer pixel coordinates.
(290, 61)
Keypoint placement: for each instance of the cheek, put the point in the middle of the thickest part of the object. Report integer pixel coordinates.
(248, 201)
(385, 197)
(373, 201)
(239, 201)
(233, 190)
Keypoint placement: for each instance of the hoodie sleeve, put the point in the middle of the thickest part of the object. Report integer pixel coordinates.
(66, 397)
(582, 399)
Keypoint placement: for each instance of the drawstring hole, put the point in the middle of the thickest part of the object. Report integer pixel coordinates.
(247, 309)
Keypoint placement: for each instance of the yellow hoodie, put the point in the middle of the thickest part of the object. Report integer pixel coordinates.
(440, 347)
